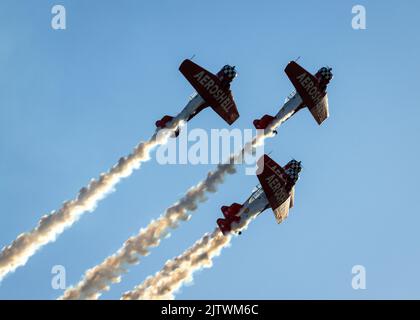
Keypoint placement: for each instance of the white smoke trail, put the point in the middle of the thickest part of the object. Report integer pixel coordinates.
(100, 277)
(179, 270)
(50, 226)
(110, 270)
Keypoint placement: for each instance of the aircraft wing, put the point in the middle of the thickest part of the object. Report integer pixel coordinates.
(292, 197)
(282, 212)
(211, 89)
(277, 186)
(321, 112)
(309, 90)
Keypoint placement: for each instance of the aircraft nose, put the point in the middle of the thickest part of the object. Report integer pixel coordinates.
(229, 71)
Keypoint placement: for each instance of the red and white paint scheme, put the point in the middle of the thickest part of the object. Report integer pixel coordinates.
(311, 92)
(212, 91)
(276, 191)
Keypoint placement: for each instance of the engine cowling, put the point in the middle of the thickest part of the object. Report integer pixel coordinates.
(324, 76)
(226, 75)
(293, 169)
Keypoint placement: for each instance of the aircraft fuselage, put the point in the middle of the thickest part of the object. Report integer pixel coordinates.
(290, 107)
(251, 208)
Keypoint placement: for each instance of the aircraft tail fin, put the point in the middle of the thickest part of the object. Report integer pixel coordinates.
(224, 225)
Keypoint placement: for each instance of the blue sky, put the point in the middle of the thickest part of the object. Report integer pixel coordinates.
(73, 101)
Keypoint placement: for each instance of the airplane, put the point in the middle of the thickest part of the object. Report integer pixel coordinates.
(276, 191)
(212, 91)
(311, 92)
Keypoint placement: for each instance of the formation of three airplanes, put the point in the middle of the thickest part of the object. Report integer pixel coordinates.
(276, 190)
